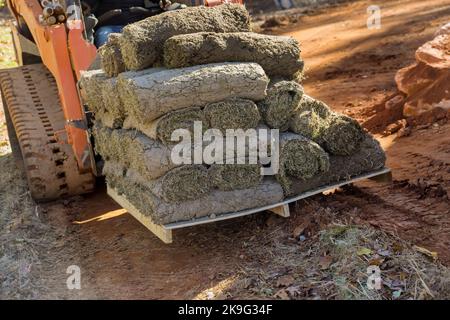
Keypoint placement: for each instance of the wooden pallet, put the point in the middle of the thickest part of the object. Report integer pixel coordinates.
(164, 232)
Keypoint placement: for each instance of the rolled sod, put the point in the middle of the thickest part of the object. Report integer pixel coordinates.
(228, 177)
(111, 57)
(212, 204)
(154, 94)
(91, 85)
(124, 81)
(111, 99)
(150, 158)
(103, 142)
(278, 55)
(102, 97)
(142, 42)
(369, 157)
(162, 128)
(338, 134)
(187, 182)
(299, 158)
(233, 113)
(343, 136)
(108, 120)
(309, 124)
(229, 114)
(124, 77)
(278, 107)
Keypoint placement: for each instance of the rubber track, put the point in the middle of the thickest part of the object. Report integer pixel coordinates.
(31, 96)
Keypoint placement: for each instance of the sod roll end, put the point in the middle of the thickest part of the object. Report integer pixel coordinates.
(111, 56)
(91, 85)
(280, 103)
(343, 135)
(300, 158)
(142, 42)
(233, 113)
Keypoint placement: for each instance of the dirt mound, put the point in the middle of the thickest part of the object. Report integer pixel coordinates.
(426, 82)
(425, 119)
(423, 97)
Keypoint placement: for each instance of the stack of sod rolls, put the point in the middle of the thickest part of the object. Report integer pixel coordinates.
(205, 65)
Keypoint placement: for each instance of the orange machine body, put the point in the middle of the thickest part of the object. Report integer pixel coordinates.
(66, 53)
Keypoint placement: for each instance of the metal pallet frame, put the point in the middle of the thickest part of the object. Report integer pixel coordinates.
(164, 232)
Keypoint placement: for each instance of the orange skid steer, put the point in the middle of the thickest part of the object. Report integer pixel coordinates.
(46, 119)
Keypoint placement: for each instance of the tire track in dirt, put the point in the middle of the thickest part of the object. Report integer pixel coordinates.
(416, 206)
(353, 70)
(424, 222)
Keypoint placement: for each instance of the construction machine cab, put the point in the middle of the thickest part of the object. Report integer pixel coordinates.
(112, 15)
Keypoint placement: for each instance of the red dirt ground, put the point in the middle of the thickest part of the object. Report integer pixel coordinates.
(352, 69)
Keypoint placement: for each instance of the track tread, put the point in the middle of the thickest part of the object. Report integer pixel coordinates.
(31, 97)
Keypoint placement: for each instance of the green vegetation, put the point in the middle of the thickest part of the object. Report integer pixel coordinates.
(7, 55)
